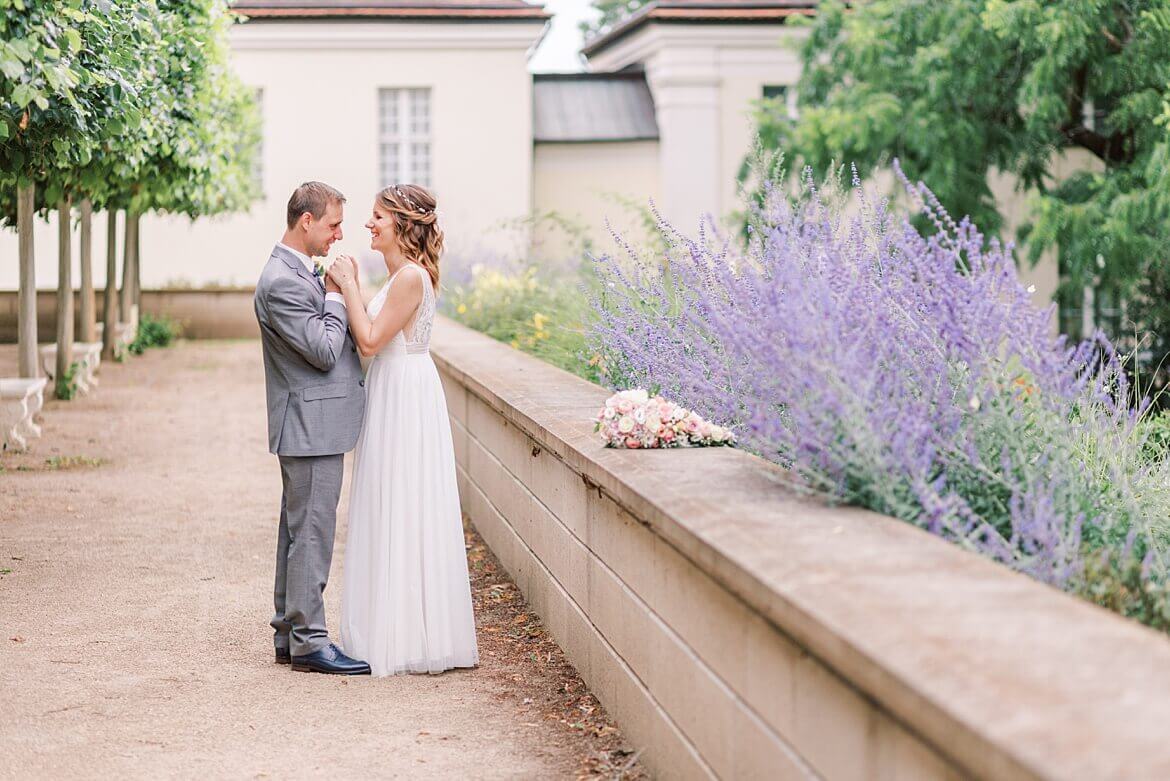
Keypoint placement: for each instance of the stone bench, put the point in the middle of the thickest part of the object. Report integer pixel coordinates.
(124, 334)
(20, 400)
(87, 356)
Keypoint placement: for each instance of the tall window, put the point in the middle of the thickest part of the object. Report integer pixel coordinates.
(405, 135)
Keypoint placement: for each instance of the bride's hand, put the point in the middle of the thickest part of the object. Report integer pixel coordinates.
(343, 272)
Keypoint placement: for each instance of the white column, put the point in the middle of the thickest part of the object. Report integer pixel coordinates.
(685, 84)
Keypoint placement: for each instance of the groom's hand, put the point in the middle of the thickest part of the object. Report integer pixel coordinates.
(330, 285)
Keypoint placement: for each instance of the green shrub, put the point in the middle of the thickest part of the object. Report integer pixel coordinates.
(1154, 431)
(66, 385)
(154, 332)
(540, 315)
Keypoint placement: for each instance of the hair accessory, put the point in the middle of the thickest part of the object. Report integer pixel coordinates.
(420, 209)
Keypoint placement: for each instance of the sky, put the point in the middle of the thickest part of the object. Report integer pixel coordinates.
(558, 51)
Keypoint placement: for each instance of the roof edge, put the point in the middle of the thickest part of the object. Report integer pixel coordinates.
(625, 75)
(713, 12)
(403, 11)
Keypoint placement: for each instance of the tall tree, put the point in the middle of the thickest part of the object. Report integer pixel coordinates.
(959, 88)
(159, 122)
(73, 80)
(610, 12)
(203, 161)
(45, 125)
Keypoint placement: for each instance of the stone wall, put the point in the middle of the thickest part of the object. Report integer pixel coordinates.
(204, 314)
(736, 630)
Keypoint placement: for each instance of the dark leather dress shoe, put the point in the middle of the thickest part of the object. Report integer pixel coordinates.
(331, 660)
(282, 656)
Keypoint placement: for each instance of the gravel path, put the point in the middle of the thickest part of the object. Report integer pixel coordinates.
(136, 557)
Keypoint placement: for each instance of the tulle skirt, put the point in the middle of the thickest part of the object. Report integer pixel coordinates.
(406, 607)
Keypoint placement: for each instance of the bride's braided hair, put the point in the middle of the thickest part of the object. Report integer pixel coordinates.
(415, 224)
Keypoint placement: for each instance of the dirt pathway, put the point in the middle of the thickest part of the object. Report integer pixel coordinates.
(136, 547)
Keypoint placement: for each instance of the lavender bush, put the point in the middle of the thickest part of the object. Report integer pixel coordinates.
(906, 371)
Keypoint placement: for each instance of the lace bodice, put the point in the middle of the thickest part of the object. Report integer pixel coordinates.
(415, 338)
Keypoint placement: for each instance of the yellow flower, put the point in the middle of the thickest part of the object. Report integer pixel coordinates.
(542, 334)
(515, 344)
(538, 321)
(461, 309)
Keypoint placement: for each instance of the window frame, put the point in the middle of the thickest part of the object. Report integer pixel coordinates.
(411, 143)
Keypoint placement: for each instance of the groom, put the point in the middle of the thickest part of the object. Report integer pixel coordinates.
(315, 407)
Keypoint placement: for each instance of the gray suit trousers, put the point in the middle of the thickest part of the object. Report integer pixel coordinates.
(304, 550)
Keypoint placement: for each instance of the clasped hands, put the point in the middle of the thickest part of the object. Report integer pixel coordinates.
(342, 273)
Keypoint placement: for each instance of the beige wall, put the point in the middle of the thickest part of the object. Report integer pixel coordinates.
(320, 100)
(589, 183)
(1015, 206)
(704, 79)
(201, 314)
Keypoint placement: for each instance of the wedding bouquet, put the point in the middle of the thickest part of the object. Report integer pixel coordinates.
(635, 419)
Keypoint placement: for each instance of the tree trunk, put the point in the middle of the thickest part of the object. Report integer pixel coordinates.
(88, 302)
(64, 293)
(29, 366)
(138, 263)
(110, 299)
(129, 247)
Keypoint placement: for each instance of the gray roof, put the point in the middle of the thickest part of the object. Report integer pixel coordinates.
(569, 107)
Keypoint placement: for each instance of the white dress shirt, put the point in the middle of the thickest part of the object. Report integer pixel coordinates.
(307, 262)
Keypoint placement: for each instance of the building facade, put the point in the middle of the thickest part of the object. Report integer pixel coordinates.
(363, 94)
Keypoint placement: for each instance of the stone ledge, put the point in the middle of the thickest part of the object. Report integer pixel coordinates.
(1004, 677)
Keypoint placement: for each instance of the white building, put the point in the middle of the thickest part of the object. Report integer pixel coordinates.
(361, 93)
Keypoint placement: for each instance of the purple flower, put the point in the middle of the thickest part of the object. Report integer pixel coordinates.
(904, 371)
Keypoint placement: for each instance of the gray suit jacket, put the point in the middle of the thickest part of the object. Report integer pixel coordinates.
(316, 397)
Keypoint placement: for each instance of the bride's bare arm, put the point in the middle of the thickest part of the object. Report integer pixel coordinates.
(402, 300)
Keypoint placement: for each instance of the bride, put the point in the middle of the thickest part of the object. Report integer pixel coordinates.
(406, 607)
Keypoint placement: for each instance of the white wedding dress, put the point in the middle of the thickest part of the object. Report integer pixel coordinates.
(406, 607)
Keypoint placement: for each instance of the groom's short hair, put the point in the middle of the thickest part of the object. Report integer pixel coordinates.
(314, 198)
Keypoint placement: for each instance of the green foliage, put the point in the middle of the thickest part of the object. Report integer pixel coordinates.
(46, 90)
(128, 102)
(66, 385)
(957, 89)
(72, 462)
(1154, 433)
(1117, 584)
(74, 83)
(611, 12)
(209, 128)
(154, 332)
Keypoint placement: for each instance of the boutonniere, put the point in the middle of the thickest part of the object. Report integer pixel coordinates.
(321, 267)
